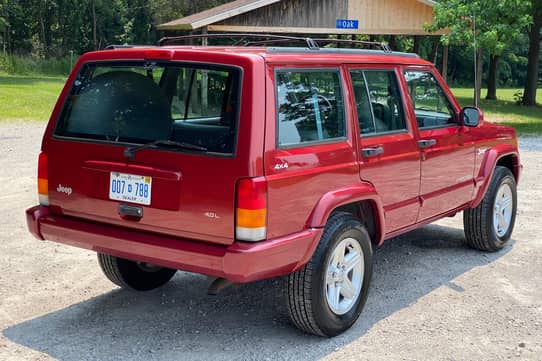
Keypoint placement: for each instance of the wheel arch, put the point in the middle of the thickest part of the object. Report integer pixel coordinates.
(360, 200)
(504, 155)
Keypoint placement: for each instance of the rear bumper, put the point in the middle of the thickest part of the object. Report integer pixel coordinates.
(238, 262)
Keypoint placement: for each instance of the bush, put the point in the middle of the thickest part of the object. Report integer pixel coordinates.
(28, 65)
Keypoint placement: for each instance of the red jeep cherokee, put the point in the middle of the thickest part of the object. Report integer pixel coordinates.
(245, 163)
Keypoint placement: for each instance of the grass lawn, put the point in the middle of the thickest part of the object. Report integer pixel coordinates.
(33, 98)
(526, 120)
(28, 97)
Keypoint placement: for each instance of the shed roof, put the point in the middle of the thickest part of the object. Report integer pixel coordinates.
(227, 17)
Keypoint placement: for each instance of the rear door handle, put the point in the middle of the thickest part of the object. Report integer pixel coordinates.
(372, 152)
(426, 143)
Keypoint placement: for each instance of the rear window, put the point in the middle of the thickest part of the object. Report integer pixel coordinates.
(194, 104)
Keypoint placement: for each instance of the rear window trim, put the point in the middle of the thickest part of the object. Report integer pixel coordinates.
(128, 62)
(337, 140)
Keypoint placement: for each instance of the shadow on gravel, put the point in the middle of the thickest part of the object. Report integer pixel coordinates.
(180, 322)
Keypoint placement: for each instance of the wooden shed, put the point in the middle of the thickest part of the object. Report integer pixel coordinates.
(382, 17)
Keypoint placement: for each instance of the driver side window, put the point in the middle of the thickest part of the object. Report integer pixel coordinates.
(431, 106)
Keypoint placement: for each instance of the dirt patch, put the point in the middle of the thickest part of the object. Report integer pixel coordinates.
(431, 298)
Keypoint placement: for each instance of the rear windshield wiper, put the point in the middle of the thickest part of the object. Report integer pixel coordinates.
(131, 151)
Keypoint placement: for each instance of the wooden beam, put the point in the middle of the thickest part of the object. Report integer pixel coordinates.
(298, 30)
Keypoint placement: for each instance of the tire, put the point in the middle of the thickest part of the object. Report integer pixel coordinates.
(134, 275)
(312, 308)
(484, 230)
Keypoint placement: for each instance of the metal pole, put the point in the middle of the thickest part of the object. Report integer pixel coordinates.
(475, 64)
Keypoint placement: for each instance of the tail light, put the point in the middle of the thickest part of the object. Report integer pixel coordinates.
(43, 180)
(251, 212)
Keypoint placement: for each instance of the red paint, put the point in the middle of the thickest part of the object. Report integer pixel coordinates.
(299, 186)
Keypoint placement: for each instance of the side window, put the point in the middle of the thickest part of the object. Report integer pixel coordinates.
(431, 106)
(378, 101)
(310, 106)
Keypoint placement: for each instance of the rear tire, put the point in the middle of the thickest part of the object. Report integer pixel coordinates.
(138, 276)
(489, 226)
(327, 295)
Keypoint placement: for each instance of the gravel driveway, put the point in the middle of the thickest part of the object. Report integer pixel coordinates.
(431, 298)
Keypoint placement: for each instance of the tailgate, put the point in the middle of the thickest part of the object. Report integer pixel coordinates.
(151, 146)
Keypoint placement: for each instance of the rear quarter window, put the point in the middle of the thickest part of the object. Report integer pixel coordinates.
(310, 106)
(145, 102)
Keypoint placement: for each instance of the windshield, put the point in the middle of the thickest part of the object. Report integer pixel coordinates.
(139, 103)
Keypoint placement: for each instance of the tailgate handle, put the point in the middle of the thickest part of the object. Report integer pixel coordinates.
(128, 212)
(372, 152)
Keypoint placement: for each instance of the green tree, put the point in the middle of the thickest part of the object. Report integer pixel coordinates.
(494, 24)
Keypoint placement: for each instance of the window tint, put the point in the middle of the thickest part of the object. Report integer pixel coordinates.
(144, 102)
(378, 101)
(310, 106)
(430, 104)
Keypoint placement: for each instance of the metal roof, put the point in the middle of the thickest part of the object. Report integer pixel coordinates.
(216, 14)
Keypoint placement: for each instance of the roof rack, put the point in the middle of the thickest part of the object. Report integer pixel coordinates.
(268, 39)
(125, 46)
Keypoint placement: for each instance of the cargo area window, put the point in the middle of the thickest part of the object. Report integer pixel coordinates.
(192, 104)
(431, 106)
(378, 101)
(310, 106)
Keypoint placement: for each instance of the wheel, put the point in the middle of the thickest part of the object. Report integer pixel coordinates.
(138, 276)
(327, 295)
(489, 226)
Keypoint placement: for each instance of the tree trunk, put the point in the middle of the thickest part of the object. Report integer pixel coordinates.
(392, 42)
(478, 80)
(94, 25)
(445, 53)
(529, 93)
(434, 51)
(492, 77)
(416, 45)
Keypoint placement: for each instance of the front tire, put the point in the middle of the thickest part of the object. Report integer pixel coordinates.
(327, 295)
(489, 226)
(138, 276)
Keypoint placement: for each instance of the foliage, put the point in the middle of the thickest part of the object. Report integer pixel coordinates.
(47, 28)
(498, 23)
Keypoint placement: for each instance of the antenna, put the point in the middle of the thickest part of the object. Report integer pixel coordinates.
(475, 63)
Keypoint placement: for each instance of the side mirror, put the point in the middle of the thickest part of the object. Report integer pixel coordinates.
(471, 116)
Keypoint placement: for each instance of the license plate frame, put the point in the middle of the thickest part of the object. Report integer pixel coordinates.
(130, 188)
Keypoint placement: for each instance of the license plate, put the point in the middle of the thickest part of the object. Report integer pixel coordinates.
(130, 188)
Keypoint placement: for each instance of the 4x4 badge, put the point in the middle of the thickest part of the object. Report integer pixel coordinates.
(281, 166)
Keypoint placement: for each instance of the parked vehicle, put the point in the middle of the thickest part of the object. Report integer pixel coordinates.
(250, 162)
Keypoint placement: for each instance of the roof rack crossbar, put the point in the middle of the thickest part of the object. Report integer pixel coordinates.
(241, 36)
(383, 46)
(248, 39)
(124, 46)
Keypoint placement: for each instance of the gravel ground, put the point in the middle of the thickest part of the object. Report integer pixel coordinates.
(431, 298)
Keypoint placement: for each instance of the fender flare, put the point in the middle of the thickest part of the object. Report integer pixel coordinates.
(489, 163)
(355, 193)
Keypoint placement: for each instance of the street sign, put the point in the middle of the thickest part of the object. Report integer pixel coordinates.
(347, 24)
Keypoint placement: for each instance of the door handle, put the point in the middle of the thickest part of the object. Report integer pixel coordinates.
(372, 152)
(426, 143)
